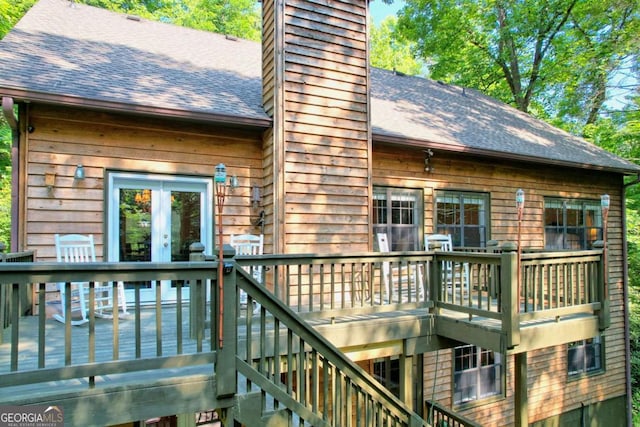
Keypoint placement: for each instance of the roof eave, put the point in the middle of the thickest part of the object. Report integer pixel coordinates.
(418, 143)
(118, 107)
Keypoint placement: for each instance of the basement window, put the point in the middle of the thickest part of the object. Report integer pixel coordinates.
(387, 372)
(478, 374)
(584, 357)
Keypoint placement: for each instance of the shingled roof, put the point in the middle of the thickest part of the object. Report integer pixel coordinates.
(73, 54)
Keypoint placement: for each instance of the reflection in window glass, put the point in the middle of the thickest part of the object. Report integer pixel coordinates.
(185, 223)
(477, 373)
(584, 356)
(135, 224)
(571, 224)
(464, 216)
(398, 213)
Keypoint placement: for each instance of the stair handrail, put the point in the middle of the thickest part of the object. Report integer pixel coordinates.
(283, 315)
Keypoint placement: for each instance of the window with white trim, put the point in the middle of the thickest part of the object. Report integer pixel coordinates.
(398, 213)
(477, 374)
(584, 356)
(571, 224)
(464, 216)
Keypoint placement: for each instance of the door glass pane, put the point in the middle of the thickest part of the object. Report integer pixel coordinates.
(135, 225)
(185, 223)
(135, 229)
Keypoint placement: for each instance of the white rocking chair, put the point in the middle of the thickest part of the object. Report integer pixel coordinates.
(452, 275)
(249, 244)
(394, 275)
(80, 248)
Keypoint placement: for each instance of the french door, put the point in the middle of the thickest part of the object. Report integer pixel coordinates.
(156, 218)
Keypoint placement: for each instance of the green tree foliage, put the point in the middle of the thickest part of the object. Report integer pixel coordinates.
(5, 184)
(553, 56)
(240, 18)
(389, 51)
(5, 210)
(11, 11)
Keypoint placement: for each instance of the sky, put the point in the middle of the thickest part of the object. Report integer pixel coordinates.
(380, 10)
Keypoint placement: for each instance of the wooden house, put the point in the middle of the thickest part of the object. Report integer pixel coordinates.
(110, 111)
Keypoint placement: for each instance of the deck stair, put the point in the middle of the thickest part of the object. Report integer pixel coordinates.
(294, 373)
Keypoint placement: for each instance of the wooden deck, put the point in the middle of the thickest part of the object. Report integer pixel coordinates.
(166, 350)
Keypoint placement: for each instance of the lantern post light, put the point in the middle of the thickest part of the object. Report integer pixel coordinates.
(520, 207)
(219, 181)
(605, 202)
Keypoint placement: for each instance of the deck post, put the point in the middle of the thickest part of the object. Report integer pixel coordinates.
(435, 280)
(406, 379)
(493, 247)
(510, 297)
(420, 398)
(520, 391)
(226, 361)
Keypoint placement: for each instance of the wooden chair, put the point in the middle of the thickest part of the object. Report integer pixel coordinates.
(249, 244)
(452, 275)
(80, 248)
(399, 275)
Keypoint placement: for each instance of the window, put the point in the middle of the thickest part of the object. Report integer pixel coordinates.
(398, 212)
(387, 372)
(571, 224)
(477, 374)
(464, 216)
(584, 356)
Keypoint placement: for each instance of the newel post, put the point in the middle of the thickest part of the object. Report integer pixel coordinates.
(225, 326)
(509, 289)
(602, 281)
(226, 360)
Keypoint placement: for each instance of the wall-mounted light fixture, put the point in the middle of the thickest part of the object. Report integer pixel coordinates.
(234, 182)
(428, 154)
(50, 180)
(256, 197)
(79, 173)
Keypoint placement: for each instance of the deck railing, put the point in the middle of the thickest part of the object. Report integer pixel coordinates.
(142, 341)
(7, 305)
(490, 284)
(438, 415)
(331, 285)
(281, 345)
